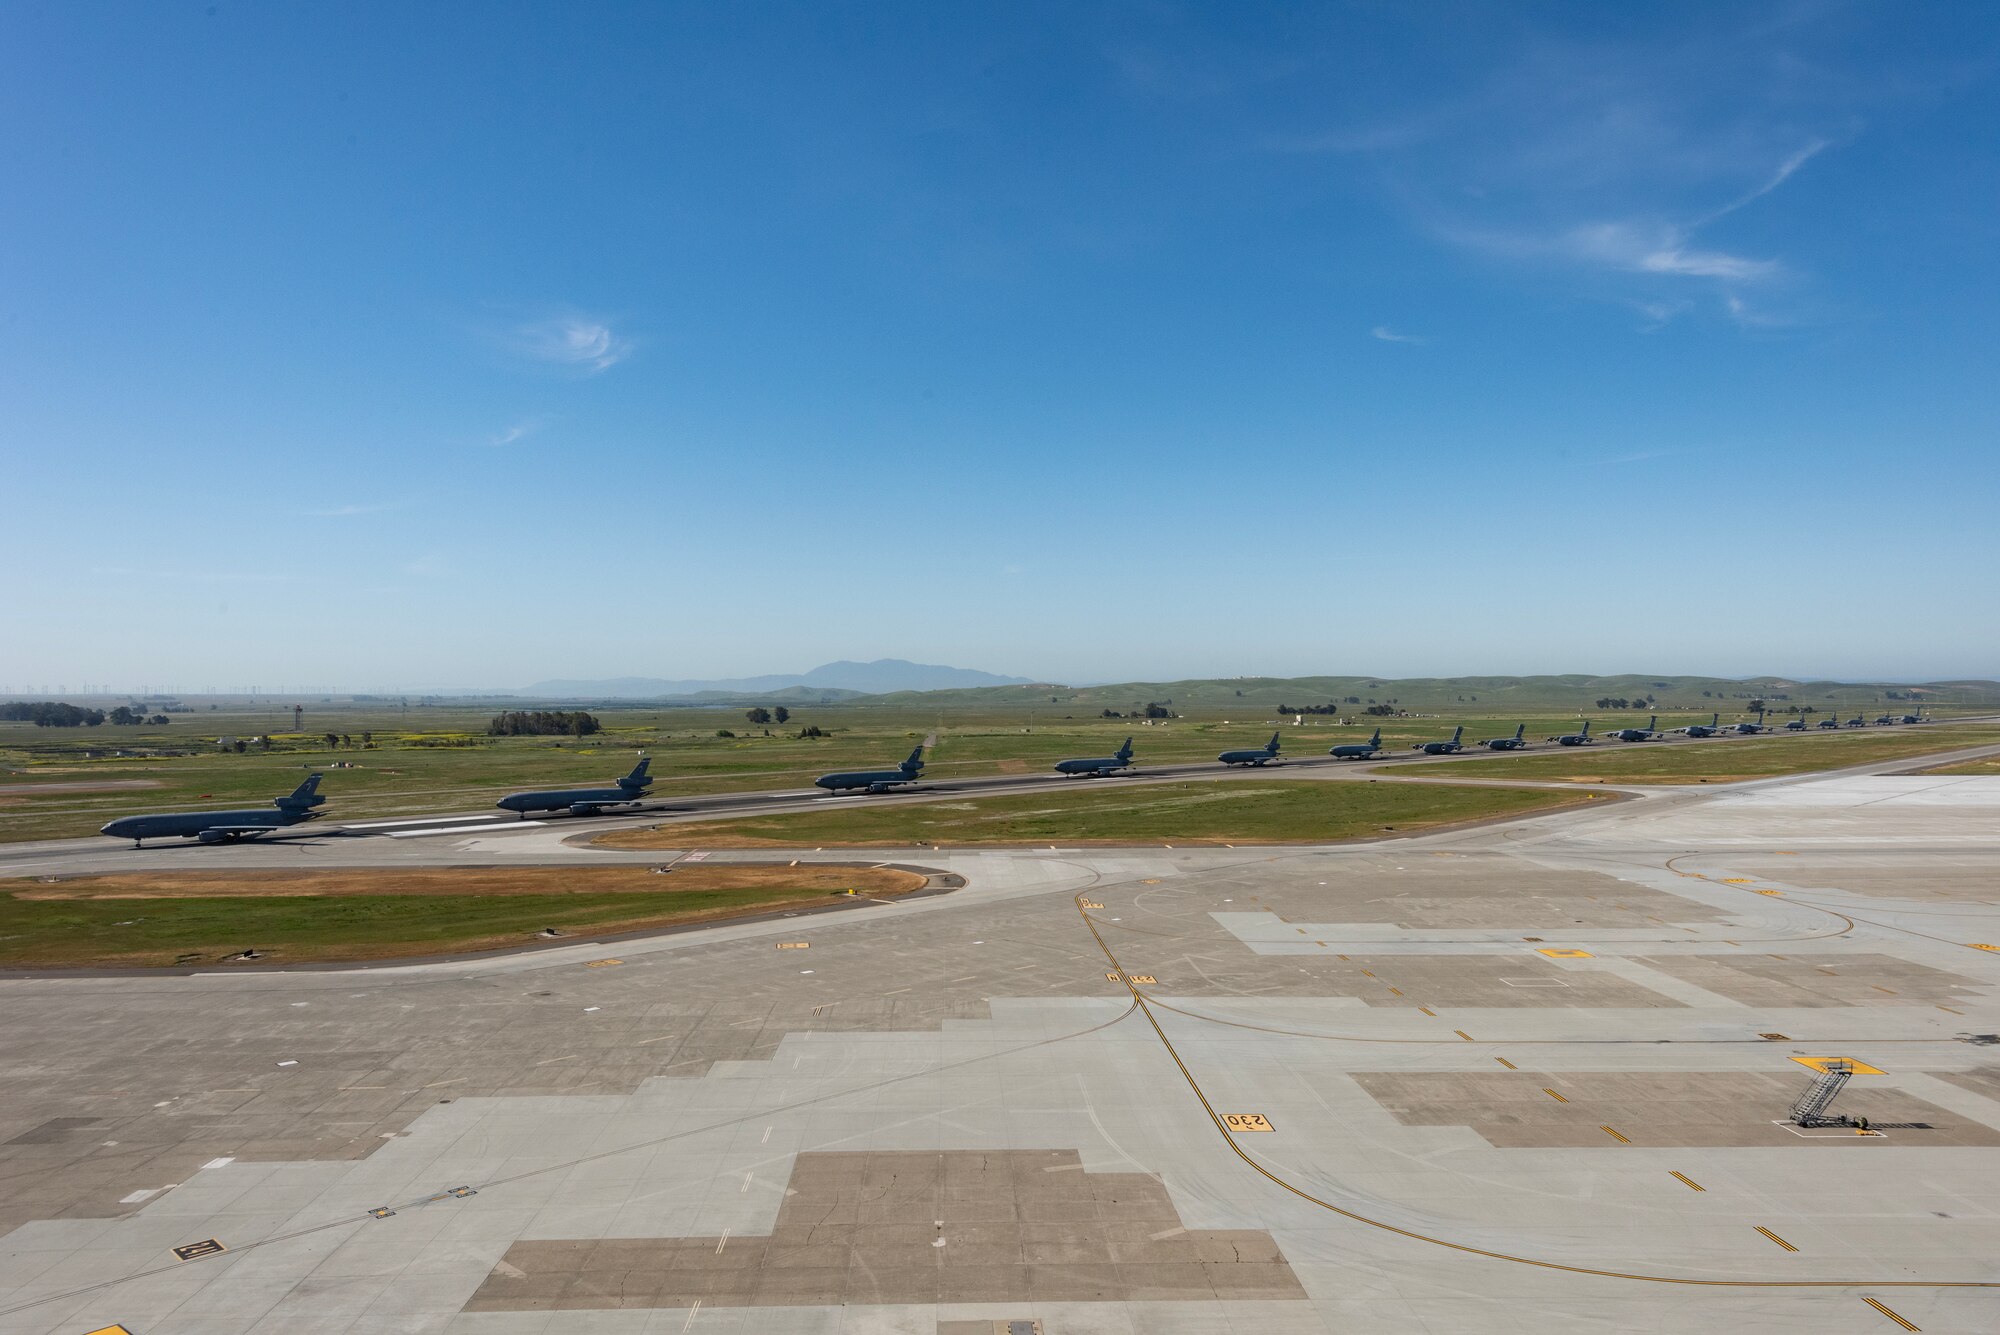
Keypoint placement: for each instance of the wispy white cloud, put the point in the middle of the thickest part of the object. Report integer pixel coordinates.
(519, 431)
(1659, 249)
(580, 342)
(1388, 335)
(1611, 162)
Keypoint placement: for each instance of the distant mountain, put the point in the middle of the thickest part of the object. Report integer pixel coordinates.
(876, 678)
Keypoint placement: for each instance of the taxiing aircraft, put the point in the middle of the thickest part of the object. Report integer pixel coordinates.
(1576, 738)
(1262, 755)
(222, 827)
(1449, 748)
(1092, 766)
(1645, 734)
(582, 801)
(876, 780)
(1917, 717)
(1358, 750)
(1515, 743)
(1857, 722)
(1884, 721)
(1708, 729)
(1829, 722)
(1796, 725)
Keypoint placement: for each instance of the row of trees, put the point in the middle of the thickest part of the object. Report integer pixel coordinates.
(780, 714)
(1620, 702)
(543, 723)
(1153, 709)
(56, 714)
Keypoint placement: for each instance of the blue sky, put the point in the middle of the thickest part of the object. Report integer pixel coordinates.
(390, 346)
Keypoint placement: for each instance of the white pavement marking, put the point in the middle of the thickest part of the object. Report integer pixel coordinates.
(464, 829)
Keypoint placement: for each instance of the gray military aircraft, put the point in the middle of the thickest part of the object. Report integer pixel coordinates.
(1262, 755)
(1515, 743)
(582, 801)
(1917, 717)
(1092, 766)
(1857, 722)
(222, 827)
(1645, 734)
(876, 780)
(1358, 750)
(1884, 721)
(1796, 725)
(1830, 721)
(1576, 738)
(1708, 729)
(1449, 748)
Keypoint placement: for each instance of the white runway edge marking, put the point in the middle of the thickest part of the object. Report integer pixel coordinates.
(219, 1163)
(140, 1195)
(424, 820)
(465, 829)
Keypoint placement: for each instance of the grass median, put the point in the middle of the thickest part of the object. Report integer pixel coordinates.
(1728, 759)
(1236, 812)
(142, 919)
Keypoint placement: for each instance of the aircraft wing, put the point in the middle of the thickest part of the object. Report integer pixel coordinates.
(243, 831)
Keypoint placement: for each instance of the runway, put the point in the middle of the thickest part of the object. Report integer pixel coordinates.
(1528, 1075)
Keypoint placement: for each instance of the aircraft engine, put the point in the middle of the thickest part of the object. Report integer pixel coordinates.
(583, 809)
(212, 837)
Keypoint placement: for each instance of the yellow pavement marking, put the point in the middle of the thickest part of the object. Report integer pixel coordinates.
(602, 964)
(1396, 991)
(1504, 1062)
(1241, 1122)
(1092, 904)
(1981, 945)
(1616, 1135)
(1820, 1064)
(795, 945)
(1467, 1249)
(1135, 978)
(1154, 881)
(1552, 1094)
(1686, 1181)
(1778, 894)
(1906, 1325)
(110, 1330)
(1462, 1034)
(1427, 1010)
(206, 1247)
(1775, 1238)
(1947, 1008)
(1555, 954)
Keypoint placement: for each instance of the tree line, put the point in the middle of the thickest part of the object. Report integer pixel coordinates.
(57, 714)
(543, 723)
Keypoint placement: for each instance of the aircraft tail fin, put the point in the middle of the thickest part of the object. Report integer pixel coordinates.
(1586, 727)
(1458, 732)
(1125, 752)
(1653, 723)
(638, 778)
(916, 760)
(1519, 730)
(1376, 740)
(304, 797)
(1272, 745)
(1714, 718)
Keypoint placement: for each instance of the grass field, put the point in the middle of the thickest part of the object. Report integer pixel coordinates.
(170, 918)
(1732, 758)
(1188, 813)
(1990, 765)
(436, 758)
